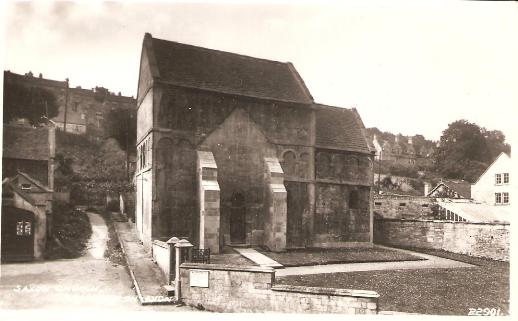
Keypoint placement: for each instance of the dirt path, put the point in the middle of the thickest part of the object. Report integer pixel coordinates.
(90, 281)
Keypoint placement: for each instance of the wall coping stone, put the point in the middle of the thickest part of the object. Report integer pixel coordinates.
(327, 291)
(161, 244)
(440, 221)
(227, 267)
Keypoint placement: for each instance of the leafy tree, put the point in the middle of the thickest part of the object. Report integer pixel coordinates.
(30, 103)
(495, 141)
(121, 125)
(463, 152)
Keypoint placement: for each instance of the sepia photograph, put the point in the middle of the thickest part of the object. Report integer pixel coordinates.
(214, 159)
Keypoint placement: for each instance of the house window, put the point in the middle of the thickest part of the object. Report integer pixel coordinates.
(424, 205)
(19, 228)
(75, 105)
(498, 198)
(27, 228)
(26, 186)
(83, 116)
(498, 179)
(377, 203)
(402, 204)
(505, 197)
(506, 178)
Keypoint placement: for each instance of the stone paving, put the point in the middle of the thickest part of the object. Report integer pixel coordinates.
(258, 258)
(146, 276)
(430, 263)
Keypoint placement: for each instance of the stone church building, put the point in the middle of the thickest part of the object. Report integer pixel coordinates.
(233, 150)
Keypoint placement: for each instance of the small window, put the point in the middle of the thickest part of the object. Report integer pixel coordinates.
(27, 228)
(424, 205)
(19, 228)
(498, 198)
(26, 186)
(377, 203)
(498, 179)
(83, 116)
(505, 197)
(402, 204)
(506, 178)
(75, 105)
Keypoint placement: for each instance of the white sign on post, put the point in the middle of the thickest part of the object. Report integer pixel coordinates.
(199, 278)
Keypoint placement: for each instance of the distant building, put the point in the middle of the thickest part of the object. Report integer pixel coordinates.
(402, 150)
(493, 187)
(82, 111)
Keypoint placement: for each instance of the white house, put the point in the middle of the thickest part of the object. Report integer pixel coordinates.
(493, 187)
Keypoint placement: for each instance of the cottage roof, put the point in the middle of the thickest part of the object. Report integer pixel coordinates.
(462, 187)
(192, 66)
(22, 142)
(340, 128)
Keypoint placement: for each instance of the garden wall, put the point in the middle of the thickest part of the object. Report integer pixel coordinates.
(224, 288)
(487, 240)
(162, 252)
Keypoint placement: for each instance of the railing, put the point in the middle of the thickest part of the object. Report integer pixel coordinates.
(200, 256)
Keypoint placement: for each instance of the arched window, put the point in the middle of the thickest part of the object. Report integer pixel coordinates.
(323, 165)
(354, 200)
(288, 162)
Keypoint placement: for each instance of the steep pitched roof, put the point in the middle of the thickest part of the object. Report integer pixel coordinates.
(192, 66)
(340, 128)
(462, 187)
(26, 143)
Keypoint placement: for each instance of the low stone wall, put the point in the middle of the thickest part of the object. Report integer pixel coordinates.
(162, 256)
(487, 240)
(404, 207)
(224, 288)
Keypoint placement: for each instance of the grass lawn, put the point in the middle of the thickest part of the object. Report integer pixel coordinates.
(316, 256)
(427, 291)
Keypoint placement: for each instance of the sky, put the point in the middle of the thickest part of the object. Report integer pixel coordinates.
(408, 67)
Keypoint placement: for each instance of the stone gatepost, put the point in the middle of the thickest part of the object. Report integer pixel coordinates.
(275, 223)
(209, 201)
(183, 248)
(172, 259)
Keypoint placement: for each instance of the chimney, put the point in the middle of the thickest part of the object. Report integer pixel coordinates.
(40, 75)
(410, 141)
(426, 188)
(397, 139)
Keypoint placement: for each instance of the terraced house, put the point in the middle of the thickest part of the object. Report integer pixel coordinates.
(233, 150)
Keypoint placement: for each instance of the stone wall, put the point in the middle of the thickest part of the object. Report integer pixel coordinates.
(342, 214)
(404, 207)
(474, 239)
(161, 252)
(253, 289)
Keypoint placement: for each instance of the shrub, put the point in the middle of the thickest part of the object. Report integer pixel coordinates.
(113, 206)
(71, 230)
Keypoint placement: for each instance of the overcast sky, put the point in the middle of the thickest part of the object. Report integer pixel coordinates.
(407, 67)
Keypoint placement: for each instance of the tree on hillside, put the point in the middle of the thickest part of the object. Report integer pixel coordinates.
(31, 103)
(495, 141)
(463, 152)
(121, 125)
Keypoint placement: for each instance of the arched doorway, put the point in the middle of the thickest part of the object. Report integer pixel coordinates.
(237, 219)
(17, 234)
